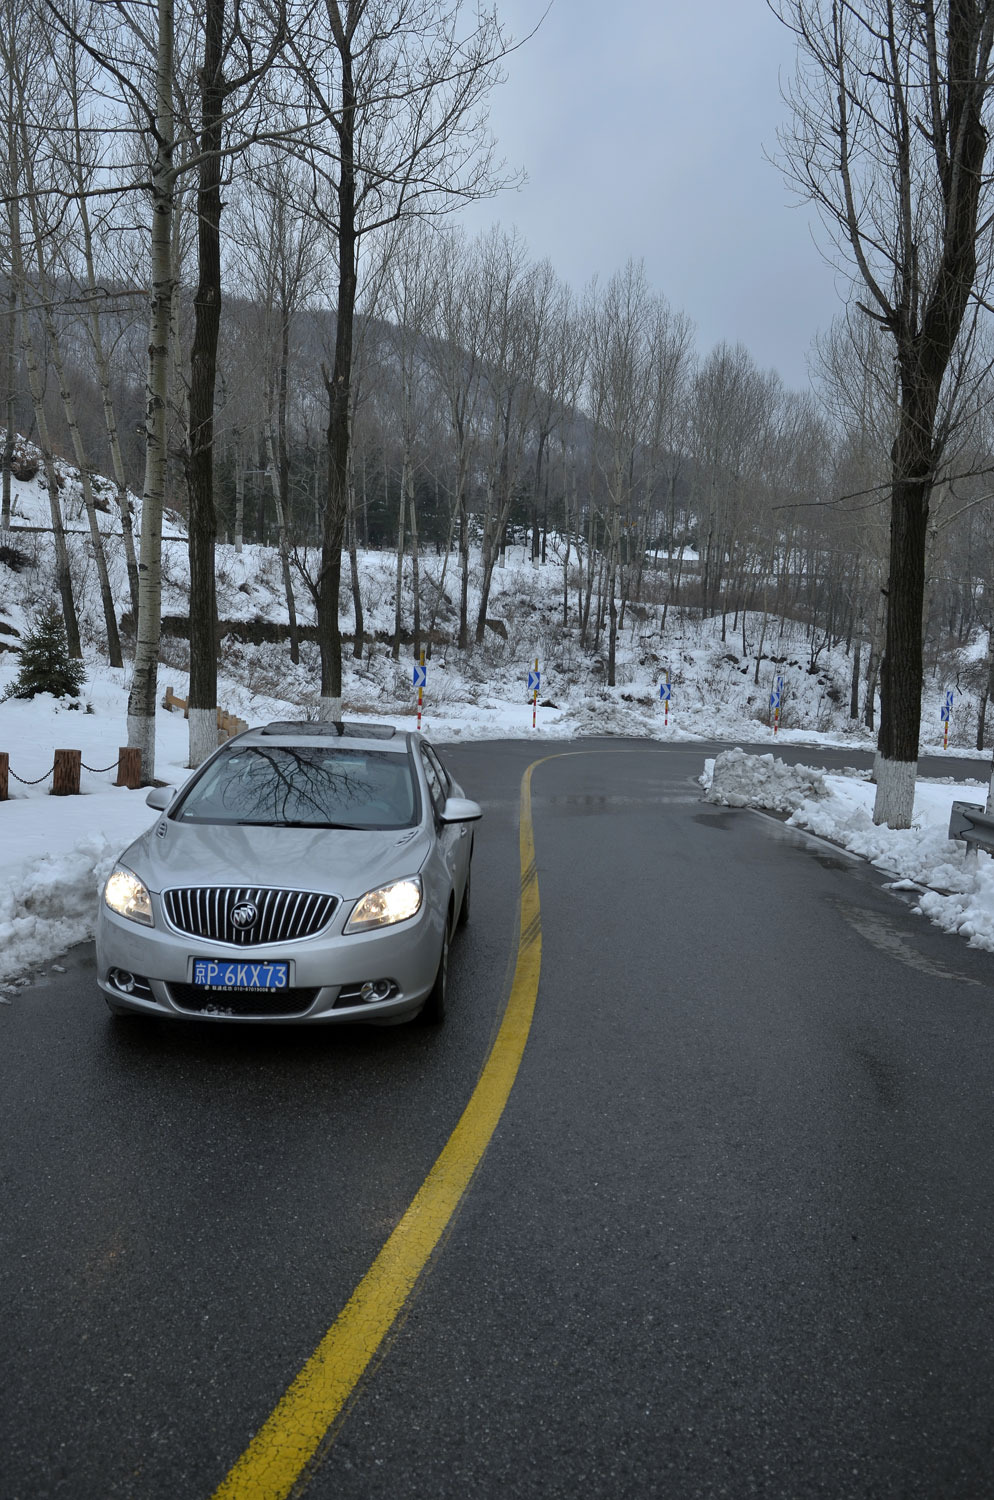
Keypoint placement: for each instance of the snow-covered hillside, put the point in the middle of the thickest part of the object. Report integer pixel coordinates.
(55, 852)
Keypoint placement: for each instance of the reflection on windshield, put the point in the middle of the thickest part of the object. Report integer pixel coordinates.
(304, 786)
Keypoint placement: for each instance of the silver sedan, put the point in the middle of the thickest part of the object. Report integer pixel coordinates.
(305, 873)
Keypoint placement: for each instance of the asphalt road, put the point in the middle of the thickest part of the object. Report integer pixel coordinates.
(733, 1235)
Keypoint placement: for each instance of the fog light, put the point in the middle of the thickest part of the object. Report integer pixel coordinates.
(123, 980)
(376, 989)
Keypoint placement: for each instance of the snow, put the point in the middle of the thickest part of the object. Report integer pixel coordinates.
(956, 888)
(741, 780)
(55, 852)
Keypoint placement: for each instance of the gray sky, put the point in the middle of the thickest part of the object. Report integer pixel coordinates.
(642, 126)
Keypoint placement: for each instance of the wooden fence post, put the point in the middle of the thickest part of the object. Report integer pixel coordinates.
(4, 768)
(65, 776)
(129, 767)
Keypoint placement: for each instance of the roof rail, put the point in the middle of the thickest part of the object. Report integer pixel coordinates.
(326, 729)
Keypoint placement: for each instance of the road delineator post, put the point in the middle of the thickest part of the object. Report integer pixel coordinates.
(665, 693)
(945, 714)
(776, 698)
(534, 682)
(420, 679)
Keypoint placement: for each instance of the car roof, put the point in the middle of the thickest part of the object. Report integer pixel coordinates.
(288, 731)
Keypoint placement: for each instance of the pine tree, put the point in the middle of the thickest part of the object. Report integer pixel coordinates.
(46, 666)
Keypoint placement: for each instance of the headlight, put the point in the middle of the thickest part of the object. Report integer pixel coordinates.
(388, 903)
(125, 894)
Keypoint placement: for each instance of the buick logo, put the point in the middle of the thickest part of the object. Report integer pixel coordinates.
(246, 914)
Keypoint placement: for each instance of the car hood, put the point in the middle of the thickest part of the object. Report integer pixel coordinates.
(342, 862)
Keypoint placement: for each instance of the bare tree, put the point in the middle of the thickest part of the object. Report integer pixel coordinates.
(24, 57)
(400, 86)
(891, 108)
(454, 353)
(622, 379)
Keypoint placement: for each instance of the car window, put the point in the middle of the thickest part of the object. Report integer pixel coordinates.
(434, 780)
(304, 785)
(443, 774)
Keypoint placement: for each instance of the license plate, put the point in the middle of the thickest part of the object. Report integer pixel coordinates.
(218, 974)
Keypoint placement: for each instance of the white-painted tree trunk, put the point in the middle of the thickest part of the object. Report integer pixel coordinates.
(330, 710)
(895, 800)
(203, 735)
(141, 736)
(141, 700)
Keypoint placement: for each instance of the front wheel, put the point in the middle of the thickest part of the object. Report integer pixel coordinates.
(433, 1010)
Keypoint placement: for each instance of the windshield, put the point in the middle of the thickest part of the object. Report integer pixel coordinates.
(305, 786)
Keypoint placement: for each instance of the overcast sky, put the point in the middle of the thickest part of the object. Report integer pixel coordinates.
(642, 125)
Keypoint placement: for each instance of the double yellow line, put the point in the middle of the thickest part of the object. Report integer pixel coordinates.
(293, 1434)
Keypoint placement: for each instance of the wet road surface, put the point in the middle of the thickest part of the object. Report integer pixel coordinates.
(732, 1235)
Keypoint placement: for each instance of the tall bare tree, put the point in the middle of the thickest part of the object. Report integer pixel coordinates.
(891, 108)
(400, 86)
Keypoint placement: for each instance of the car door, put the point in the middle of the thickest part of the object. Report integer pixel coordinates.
(452, 840)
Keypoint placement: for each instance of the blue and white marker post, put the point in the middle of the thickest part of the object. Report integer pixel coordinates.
(421, 682)
(666, 693)
(534, 683)
(776, 697)
(945, 714)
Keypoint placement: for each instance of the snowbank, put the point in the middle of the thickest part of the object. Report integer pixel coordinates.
(57, 852)
(736, 779)
(956, 890)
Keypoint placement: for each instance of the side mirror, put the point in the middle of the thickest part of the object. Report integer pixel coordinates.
(460, 810)
(160, 797)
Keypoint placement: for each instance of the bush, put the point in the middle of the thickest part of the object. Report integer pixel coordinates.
(46, 666)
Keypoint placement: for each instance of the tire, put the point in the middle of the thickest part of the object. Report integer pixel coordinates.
(433, 1011)
(464, 908)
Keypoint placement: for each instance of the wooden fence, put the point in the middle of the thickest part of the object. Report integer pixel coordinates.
(65, 772)
(228, 725)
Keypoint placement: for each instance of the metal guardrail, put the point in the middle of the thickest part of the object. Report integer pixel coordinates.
(972, 825)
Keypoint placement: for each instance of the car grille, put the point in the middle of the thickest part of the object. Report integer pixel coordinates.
(241, 1003)
(205, 911)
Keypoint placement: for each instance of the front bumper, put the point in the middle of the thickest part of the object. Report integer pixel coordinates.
(326, 972)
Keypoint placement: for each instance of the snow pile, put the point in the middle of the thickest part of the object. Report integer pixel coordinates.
(53, 903)
(736, 779)
(969, 912)
(922, 854)
(957, 890)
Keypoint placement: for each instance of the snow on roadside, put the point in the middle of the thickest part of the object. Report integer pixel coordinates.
(740, 780)
(957, 891)
(57, 854)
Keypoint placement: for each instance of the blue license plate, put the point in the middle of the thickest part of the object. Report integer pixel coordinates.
(218, 974)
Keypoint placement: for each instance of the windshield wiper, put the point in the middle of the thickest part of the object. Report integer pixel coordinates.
(302, 823)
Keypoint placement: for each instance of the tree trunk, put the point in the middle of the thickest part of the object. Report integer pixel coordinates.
(102, 366)
(359, 627)
(901, 667)
(276, 480)
(239, 495)
(203, 376)
(415, 568)
(141, 701)
(399, 579)
(11, 367)
(36, 384)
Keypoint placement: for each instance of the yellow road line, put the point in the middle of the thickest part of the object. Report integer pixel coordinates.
(291, 1436)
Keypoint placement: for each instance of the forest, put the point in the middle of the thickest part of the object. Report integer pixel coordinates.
(235, 283)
